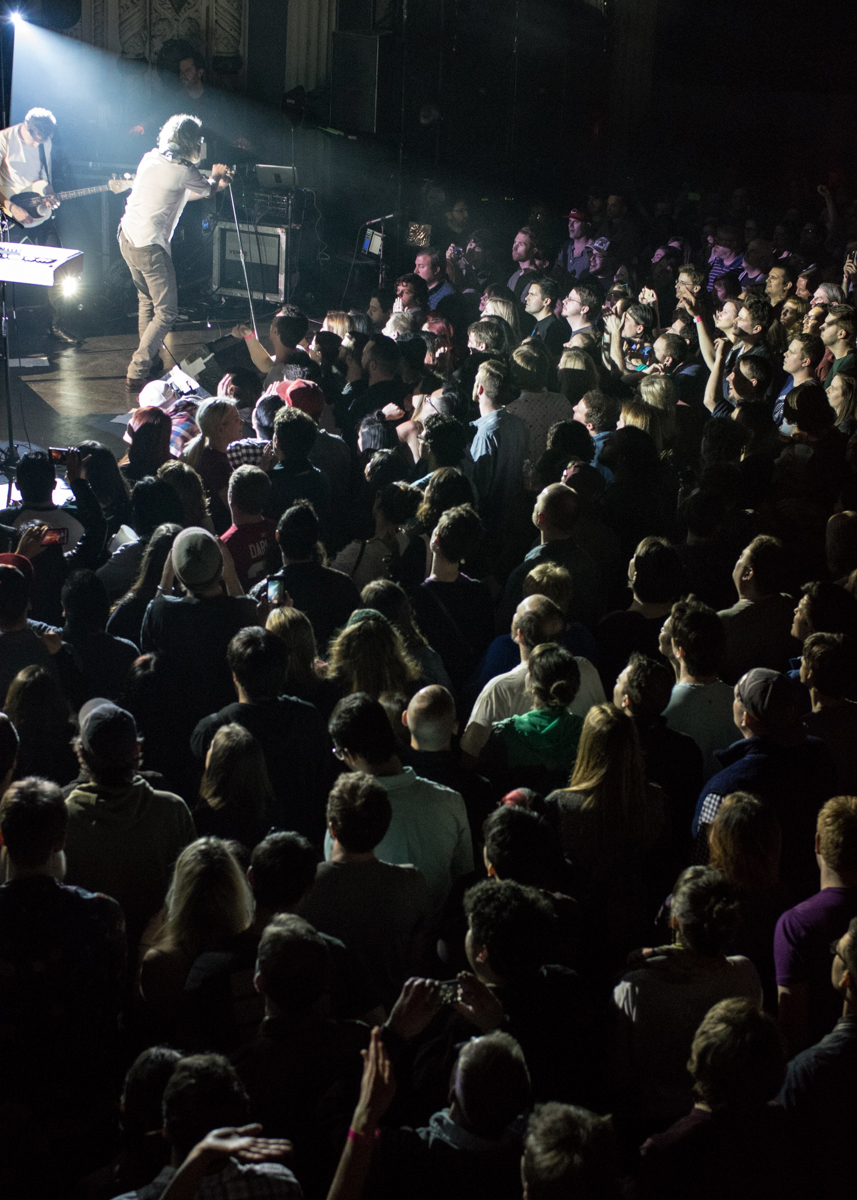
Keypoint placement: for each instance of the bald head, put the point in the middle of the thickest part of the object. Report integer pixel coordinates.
(537, 619)
(430, 718)
(556, 512)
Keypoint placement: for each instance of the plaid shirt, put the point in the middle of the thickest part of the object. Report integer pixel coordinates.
(247, 450)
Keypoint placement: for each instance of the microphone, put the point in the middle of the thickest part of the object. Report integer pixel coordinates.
(389, 217)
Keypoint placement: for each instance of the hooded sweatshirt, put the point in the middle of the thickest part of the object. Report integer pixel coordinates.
(124, 842)
(542, 737)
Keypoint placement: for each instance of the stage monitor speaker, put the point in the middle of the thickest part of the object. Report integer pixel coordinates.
(363, 83)
(265, 256)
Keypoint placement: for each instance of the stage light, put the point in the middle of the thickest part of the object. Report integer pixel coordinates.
(16, 18)
(69, 286)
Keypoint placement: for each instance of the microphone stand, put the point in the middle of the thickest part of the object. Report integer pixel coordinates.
(243, 262)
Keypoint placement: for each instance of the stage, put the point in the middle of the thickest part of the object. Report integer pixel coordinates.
(63, 395)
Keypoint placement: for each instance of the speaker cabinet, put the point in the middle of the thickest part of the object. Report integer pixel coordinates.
(363, 83)
(264, 255)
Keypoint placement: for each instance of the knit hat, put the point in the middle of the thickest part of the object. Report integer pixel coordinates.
(365, 614)
(197, 560)
(108, 731)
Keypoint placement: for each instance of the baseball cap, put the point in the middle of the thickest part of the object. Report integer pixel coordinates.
(601, 244)
(22, 563)
(302, 394)
(576, 214)
(768, 696)
(158, 393)
(107, 731)
(196, 557)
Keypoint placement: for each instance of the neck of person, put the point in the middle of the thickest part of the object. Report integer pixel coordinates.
(831, 878)
(543, 313)
(647, 609)
(820, 702)
(340, 854)
(578, 321)
(801, 376)
(442, 570)
(244, 696)
(241, 518)
(486, 408)
(686, 677)
(219, 442)
(527, 265)
(375, 376)
(840, 348)
(53, 868)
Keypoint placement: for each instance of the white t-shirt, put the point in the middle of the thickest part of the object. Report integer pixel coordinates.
(506, 696)
(161, 189)
(20, 164)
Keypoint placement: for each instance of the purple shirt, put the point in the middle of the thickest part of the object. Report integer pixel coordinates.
(802, 952)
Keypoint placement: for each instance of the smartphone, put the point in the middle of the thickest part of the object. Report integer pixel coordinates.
(59, 454)
(450, 991)
(56, 537)
(276, 591)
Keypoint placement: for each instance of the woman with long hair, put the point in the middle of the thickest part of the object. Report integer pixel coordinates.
(842, 394)
(236, 796)
(339, 322)
(389, 599)
(613, 827)
(187, 485)
(126, 619)
(153, 503)
(368, 655)
(36, 707)
(219, 424)
(643, 416)
(101, 471)
(304, 672)
(148, 432)
(744, 844)
(208, 902)
(578, 374)
(510, 312)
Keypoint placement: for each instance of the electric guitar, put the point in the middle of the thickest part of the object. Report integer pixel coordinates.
(34, 204)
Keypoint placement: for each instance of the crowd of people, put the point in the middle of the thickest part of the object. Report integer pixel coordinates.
(430, 764)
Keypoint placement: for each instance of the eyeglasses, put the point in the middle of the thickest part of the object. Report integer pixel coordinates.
(339, 753)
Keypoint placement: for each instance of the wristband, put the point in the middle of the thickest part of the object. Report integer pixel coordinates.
(364, 1139)
(697, 320)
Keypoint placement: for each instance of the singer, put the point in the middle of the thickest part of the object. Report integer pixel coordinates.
(167, 178)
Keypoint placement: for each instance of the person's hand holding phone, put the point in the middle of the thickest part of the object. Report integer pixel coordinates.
(31, 542)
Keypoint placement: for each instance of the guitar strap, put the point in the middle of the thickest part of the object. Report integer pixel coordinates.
(43, 159)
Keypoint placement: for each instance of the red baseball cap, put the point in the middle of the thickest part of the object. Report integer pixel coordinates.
(302, 394)
(577, 213)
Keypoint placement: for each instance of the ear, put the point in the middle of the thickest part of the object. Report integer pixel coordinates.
(817, 844)
(259, 984)
(405, 717)
(250, 877)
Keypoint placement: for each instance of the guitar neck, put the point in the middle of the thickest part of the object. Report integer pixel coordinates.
(90, 191)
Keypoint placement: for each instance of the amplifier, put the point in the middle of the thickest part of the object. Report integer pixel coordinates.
(264, 255)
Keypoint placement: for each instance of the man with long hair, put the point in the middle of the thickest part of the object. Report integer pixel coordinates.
(167, 177)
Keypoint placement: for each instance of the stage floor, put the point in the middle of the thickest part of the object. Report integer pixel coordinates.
(63, 395)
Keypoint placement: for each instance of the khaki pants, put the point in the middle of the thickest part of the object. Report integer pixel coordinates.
(154, 277)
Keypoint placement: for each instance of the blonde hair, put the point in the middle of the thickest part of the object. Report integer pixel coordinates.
(187, 485)
(370, 656)
(209, 417)
(509, 311)
(659, 392)
(208, 899)
(643, 416)
(293, 628)
(837, 834)
(551, 580)
(576, 359)
(609, 768)
(236, 777)
(339, 322)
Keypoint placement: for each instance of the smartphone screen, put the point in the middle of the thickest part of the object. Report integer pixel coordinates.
(55, 537)
(59, 454)
(275, 591)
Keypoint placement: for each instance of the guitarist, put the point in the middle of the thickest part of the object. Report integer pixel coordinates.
(166, 179)
(25, 157)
